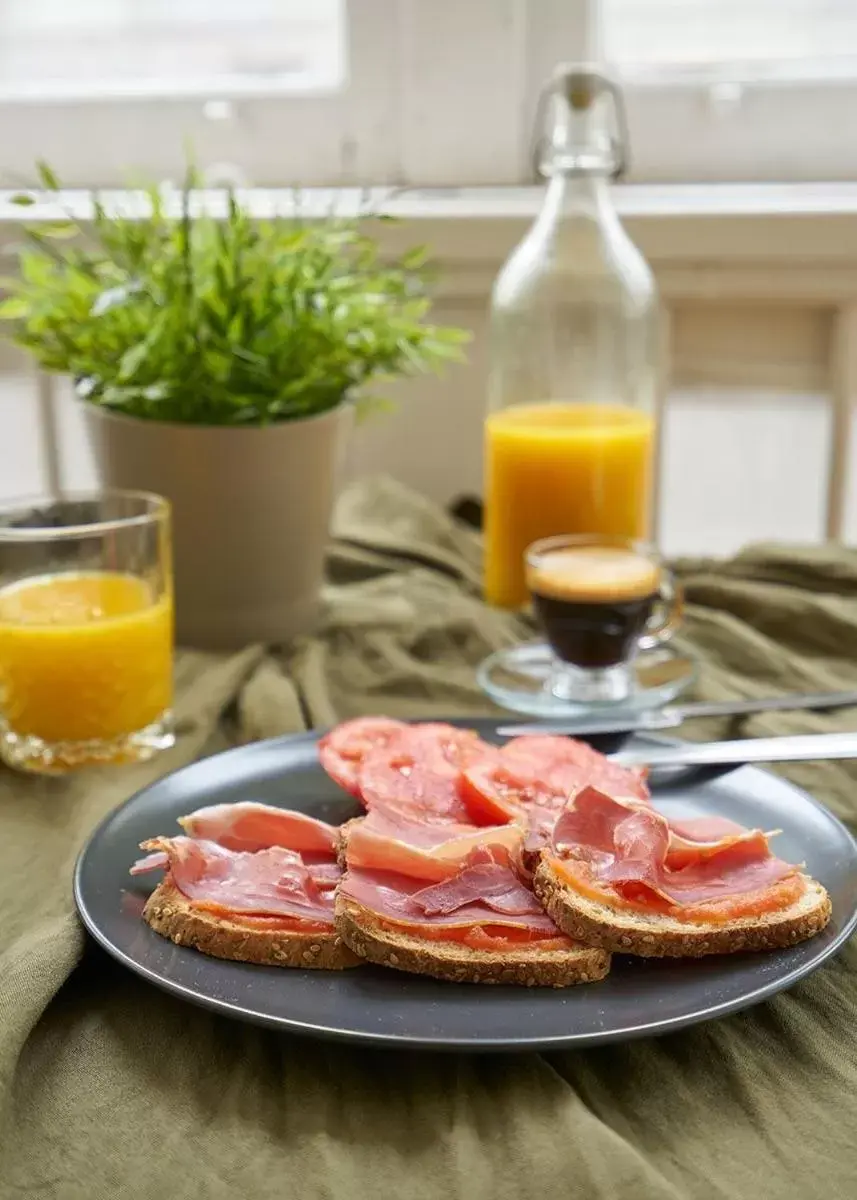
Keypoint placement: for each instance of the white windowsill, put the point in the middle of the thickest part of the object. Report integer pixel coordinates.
(783, 243)
(636, 200)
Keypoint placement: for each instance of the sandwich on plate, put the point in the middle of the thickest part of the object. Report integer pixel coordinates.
(623, 877)
(249, 882)
(524, 864)
(453, 902)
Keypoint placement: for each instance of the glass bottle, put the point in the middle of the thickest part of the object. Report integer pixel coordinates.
(574, 370)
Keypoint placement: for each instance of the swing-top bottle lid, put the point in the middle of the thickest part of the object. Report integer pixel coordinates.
(581, 128)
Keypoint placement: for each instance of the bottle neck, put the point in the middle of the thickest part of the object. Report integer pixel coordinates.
(579, 194)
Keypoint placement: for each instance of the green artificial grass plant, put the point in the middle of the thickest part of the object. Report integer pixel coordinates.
(179, 315)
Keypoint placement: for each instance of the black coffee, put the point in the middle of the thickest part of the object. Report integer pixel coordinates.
(593, 602)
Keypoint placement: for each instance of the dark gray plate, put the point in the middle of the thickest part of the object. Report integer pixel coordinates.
(380, 1007)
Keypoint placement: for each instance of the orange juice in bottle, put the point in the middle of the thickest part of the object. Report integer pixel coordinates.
(561, 468)
(570, 433)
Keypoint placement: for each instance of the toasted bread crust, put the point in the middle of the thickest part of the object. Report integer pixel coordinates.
(626, 932)
(172, 915)
(342, 841)
(526, 966)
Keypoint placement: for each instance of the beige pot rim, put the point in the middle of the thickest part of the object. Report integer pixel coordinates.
(100, 412)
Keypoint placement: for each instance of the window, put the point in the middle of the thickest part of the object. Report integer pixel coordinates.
(109, 49)
(749, 39)
(738, 89)
(104, 87)
(418, 92)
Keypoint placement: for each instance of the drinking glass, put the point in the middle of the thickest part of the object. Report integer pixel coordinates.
(86, 630)
(600, 600)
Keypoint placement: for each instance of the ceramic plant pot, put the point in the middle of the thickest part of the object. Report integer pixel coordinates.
(251, 509)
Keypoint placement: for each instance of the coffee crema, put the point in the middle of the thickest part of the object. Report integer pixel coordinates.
(594, 602)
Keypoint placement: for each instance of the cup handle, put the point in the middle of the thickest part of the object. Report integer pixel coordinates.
(666, 620)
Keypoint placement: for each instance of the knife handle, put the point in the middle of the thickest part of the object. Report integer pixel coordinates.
(813, 747)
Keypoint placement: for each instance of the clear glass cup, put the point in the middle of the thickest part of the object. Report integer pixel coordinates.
(600, 600)
(86, 630)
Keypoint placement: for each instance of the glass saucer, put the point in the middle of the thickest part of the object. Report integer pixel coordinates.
(518, 679)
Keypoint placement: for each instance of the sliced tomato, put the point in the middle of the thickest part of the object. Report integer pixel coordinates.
(511, 787)
(342, 750)
(417, 777)
(775, 898)
(547, 749)
(494, 792)
(443, 746)
(266, 921)
(639, 898)
(533, 778)
(403, 786)
(625, 783)
(565, 764)
(484, 937)
(478, 938)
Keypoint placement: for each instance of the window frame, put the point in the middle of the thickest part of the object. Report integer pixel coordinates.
(442, 93)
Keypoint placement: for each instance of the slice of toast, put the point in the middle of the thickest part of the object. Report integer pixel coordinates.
(659, 935)
(171, 914)
(342, 841)
(525, 966)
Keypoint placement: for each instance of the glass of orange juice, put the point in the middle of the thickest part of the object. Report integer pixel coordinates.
(86, 630)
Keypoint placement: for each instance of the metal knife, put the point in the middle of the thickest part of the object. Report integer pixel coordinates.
(674, 714)
(810, 747)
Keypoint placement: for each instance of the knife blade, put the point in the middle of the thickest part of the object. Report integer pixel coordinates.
(809, 747)
(674, 715)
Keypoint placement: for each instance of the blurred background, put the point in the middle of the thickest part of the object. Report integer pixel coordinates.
(742, 193)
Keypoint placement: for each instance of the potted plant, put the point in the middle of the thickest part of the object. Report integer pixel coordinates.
(218, 358)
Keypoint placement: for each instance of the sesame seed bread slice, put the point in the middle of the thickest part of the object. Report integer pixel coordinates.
(659, 935)
(169, 912)
(342, 841)
(525, 966)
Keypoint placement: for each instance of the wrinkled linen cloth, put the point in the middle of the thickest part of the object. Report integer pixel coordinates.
(110, 1089)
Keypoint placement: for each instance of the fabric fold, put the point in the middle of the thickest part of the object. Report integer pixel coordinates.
(110, 1088)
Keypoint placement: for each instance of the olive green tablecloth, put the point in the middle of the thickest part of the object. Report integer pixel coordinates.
(110, 1089)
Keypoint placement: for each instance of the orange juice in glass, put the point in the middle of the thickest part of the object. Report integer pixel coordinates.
(86, 631)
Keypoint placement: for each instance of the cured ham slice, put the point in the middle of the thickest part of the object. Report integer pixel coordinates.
(248, 825)
(493, 884)
(427, 852)
(325, 875)
(461, 887)
(626, 848)
(395, 898)
(158, 861)
(418, 833)
(704, 830)
(696, 838)
(272, 882)
(590, 822)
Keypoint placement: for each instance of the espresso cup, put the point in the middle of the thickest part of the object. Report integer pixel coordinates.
(600, 601)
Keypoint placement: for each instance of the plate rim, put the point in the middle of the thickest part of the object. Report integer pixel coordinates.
(517, 1044)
